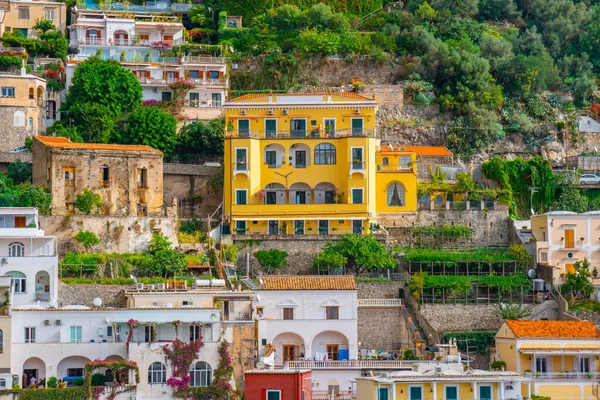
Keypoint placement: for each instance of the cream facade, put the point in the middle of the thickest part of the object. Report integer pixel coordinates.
(5, 337)
(22, 108)
(563, 238)
(20, 16)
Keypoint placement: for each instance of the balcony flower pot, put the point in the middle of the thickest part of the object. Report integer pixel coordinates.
(62, 384)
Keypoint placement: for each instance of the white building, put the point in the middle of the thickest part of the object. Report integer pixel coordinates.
(28, 256)
(312, 320)
(59, 342)
(138, 41)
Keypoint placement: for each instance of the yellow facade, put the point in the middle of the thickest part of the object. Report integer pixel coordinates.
(20, 16)
(308, 164)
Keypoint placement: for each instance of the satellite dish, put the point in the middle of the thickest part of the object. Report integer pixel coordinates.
(531, 273)
(260, 365)
(258, 297)
(169, 305)
(97, 302)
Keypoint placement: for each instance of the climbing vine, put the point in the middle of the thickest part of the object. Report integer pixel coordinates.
(181, 355)
(131, 324)
(117, 367)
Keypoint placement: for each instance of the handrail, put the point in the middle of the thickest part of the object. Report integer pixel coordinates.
(350, 364)
(301, 134)
(379, 302)
(563, 375)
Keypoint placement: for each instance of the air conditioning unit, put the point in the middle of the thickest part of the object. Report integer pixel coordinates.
(58, 322)
(161, 286)
(438, 370)
(285, 112)
(270, 112)
(384, 375)
(538, 284)
(47, 322)
(234, 66)
(356, 111)
(140, 286)
(101, 331)
(151, 287)
(243, 112)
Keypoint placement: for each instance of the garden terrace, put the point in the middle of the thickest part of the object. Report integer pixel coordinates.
(476, 262)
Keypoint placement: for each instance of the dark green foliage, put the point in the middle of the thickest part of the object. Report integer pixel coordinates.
(98, 379)
(426, 255)
(52, 382)
(166, 261)
(87, 239)
(70, 393)
(190, 226)
(152, 127)
(59, 128)
(87, 201)
(24, 195)
(272, 259)
(479, 341)
(571, 199)
(20, 172)
(93, 120)
(201, 139)
(578, 282)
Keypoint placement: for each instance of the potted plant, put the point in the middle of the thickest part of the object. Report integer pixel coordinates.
(498, 365)
(582, 239)
(62, 384)
(148, 56)
(123, 56)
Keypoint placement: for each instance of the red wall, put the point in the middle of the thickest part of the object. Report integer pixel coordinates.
(291, 385)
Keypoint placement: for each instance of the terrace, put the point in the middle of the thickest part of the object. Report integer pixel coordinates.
(301, 133)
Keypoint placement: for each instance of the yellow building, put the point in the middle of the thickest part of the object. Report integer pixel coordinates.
(5, 335)
(22, 108)
(440, 380)
(308, 164)
(559, 356)
(20, 16)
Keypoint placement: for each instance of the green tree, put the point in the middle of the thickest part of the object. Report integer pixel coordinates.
(93, 121)
(166, 261)
(24, 195)
(54, 44)
(87, 201)
(328, 260)
(272, 259)
(361, 253)
(59, 128)
(498, 9)
(201, 139)
(20, 172)
(87, 239)
(578, 282)
(571, 199)
(105, 83)
(152, 127)
(44, 25)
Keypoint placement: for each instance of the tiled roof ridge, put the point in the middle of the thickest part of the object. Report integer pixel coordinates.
(309, 282)
(554, 329)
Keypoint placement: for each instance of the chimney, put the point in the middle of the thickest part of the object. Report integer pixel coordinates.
(23, 71)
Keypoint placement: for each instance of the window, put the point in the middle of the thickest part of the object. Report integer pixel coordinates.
(195, 99)
(323, 227)
(333, 312)
(23, 12)
(541, 365)
(415, 393)
(485, 393)
(240, 227)
(142, 178)
(270, 128)
(104, 176)
(271, 198)
(325, 154)
(357, 196)
(30, 121)
(193, 74)
(16, 249)
(298, 128)
(29, 334)
(31, 94)
(70, 207)
(241, 197)
(216, 100)
(329, 127)
(299, 227)
(288, 313)
(201, 374)
(149, 333)
(75, 334)
(584, 365)
(69, 176)
(544, 256)
(51, 14)
(385, 161)
(2, 383)
(396, 195)
(333, 352)
(109, 331)
(213, 74)
(569, 238)
(330, 197)
(273, 394)
(357, 158)
(157, 373)
(273, 227)
(260, 310)
(241, 160)
(300, 197)
(300, 159)
(8, 92)
(244, 127)
(19, 119)
(166, 96)
(78, 372)
(357, 127)
(451, 392)
(271, 158)
(195, 333)
(142, 210)
(383, 393)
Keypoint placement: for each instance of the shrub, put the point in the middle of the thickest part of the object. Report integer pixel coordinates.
(52, 382)
(190, 226)
(20, 172)
(87, 239)
(272, 259)
(98, 379)
(86, 201)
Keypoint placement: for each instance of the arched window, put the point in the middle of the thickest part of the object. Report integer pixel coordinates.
(2, 383)
(16, 249)
(18, 281)
(157, 373)
(385, 161)
(19, 118)
(201, 374)
(396, 195)
(325, 153)
(405, 161)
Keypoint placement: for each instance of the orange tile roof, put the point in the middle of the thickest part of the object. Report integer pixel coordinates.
(421, 150)
(554, 329)
(350, 95)
(65, 143)
(310, 282)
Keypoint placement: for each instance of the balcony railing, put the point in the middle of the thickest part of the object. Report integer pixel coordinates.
(580, 376)
(42, 296)
(304, 134)
(197, 82)
(238, 317)
(333, 395)
(394, 168)
(379, 302)
(123, 42)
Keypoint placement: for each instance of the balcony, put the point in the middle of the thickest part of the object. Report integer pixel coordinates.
(42, 296)
(240, 316)
(142, 57)
(294, 211)
(333, 395)
(394, 168)
(304, 134)
(350, 364)
(198, 82)
(563, 376)
(376, 303)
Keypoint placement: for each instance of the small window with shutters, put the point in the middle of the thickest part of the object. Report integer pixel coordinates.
(104, 176)
(142, 178)
(69, 176)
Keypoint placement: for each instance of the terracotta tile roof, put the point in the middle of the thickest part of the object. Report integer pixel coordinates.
(350, 95)
(65, 143)
(530, 348)
(554, 329)
(310, 282)
(420, 150)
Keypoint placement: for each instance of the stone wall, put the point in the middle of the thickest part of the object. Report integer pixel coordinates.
(382, 328)
(242, 348)
(379, 290)
(111, 295)
(116, 234)
(7, 158)
(197, 188)
(13, 136)
(491, 228)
